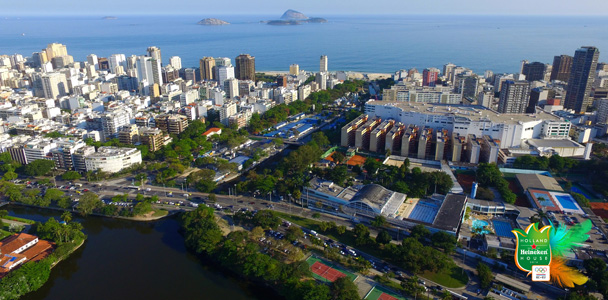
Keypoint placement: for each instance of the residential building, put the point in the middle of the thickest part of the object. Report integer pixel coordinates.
(602, 111)
(207, 66)
(154, 53)
(561, 68)
(54, 85)
(514, 97)
(294, 69)
(323, 64)
(112, 121)
(151, 137)
(534, 71)
(63, 153)
(430, 76)
(172, 124)
(224, 73)
(226, 111)
(128, 134)
(244, 67)
(176, 62)
(581, 79)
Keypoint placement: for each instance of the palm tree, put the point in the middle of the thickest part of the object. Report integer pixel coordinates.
(66, 217)
(539, 216)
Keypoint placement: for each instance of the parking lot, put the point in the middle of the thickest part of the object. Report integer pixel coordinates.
(597, 240)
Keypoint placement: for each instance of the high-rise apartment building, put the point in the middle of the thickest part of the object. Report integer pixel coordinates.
(173, 124)
(514, 97)
(55, 50)
(294, 69)
(245, 67)
(561, 68)
(602, 111)
(116, 61)
(534, 71)
(176, 62)
(430, 76)
(154, 52)
(323, 63)
(581, 79)
(207, 66)
(224, 73)
(448, 69)
(92, 60)
(54, 85)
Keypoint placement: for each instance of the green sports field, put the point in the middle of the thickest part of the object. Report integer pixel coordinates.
(312, 260)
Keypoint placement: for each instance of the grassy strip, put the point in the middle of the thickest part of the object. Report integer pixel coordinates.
(22, 220)
(160, 213)
(454, 279)
(4, 233)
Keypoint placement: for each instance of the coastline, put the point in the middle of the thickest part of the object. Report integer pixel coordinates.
(350, 74)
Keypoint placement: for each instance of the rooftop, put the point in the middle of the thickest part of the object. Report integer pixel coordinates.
(108, 151)
(553, 143)
(537, 181)
(467, 112)
(449, 216)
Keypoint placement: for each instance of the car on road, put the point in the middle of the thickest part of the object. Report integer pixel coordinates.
(252, 203)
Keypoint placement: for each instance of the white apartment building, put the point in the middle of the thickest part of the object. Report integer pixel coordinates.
(112, 159)
(226, 111)
(112, 121)
(511, 130)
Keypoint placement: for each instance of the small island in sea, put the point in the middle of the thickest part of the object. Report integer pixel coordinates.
(212, 21)
(293, 17)
(110, 18)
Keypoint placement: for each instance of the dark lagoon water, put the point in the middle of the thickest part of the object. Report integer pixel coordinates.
(382, 43)
(135, 260)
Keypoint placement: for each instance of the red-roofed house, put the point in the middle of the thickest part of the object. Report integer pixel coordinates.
(20, 248)
(212, 131)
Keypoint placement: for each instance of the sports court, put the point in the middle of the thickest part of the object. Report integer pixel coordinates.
(327, 272)
(380, 293)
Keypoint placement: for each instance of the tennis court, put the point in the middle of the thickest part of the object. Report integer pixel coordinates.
(327, 272)
(379, 293)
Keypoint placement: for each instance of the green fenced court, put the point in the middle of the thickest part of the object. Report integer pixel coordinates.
(327, 272)
(380, 293)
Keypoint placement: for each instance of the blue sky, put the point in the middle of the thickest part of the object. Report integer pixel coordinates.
(206, 8)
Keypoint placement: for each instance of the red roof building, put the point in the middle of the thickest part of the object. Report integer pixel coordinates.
(20, 248)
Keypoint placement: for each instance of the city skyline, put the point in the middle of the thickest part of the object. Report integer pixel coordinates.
(240, 7)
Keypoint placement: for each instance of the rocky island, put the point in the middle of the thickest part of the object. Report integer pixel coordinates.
(212, 21)
(293, 17)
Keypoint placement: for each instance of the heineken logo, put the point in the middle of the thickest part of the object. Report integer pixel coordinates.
(533, 247)
(540, 252)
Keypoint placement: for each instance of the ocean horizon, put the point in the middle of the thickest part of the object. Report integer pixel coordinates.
(361, 43)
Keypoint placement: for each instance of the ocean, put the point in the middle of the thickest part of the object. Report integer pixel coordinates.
(382, 44)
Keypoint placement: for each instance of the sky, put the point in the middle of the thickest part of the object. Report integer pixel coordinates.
(318, 8)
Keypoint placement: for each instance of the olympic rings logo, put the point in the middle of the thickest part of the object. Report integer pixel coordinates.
(540, 269)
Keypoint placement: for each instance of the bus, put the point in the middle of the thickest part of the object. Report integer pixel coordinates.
(133, 188)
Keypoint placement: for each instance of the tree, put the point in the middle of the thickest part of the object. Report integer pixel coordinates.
(66, 216)
(485, 275)
(444, 240)
(212, 198)
(320, 139)
(202, 234)
(383, 237)
(266, 219)
(293, 233)
(142, 208)
(71, 175)
(412, 286)
(379, 222)
(344, 289)
(39, 167)
(581, 199)
(419, 232)
(88, 203)
(53, 194)
(338, 157)
(10, 175)
(341, 229)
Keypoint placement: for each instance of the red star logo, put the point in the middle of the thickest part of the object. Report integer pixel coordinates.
(533, 246)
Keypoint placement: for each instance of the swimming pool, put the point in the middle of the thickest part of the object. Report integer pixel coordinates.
(481, 224)
(503, 229)
(567, 202)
